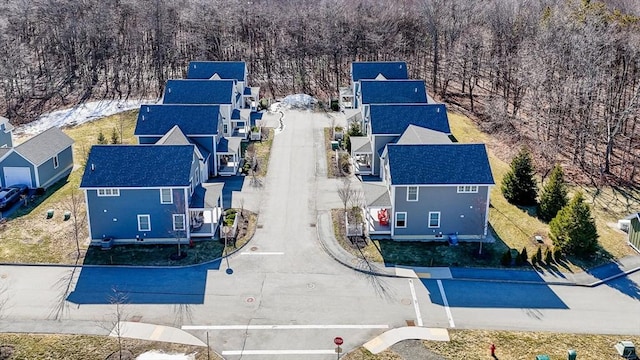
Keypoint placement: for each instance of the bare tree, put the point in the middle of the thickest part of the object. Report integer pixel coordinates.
(77, 216)
(345, 192)
(115, 323)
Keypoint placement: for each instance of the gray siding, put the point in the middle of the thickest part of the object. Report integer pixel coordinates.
(5, 138)
(116, 216)
(15, 160)
(380, 141)
(461, 214)
(48, 175)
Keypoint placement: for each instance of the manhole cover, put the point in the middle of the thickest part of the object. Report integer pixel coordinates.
(411, 323)
(260, 226)
(250, 299)
(136, 318)
(254, 248)
(311, 285)
(4, 276)
(405, 302)
(312, 225)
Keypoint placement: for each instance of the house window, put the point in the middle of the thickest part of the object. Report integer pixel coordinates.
(178, 222)
(166, 196)
(412, 193)
(55, 162)
(225, 128)
(144, 222)
(434, 219)
(108, 192)
(401, 220)
(462, 189)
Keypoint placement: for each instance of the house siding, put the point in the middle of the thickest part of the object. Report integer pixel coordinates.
(379, 142)
(5, 138)
(48, 175)
(116, 216)
(634, 232)
(16, 160)
(461, 214)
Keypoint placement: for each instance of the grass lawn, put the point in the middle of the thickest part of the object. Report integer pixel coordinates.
(81, 347)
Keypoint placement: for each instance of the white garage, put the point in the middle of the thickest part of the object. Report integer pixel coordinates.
(17, 175)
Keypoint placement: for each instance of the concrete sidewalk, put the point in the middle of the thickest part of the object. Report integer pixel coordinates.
(590, 278)
(389, 338)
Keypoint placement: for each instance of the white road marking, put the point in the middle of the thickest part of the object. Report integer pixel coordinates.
(280, 327)
(261, 253)
(278, 352)
(446, 304)
(415, 302)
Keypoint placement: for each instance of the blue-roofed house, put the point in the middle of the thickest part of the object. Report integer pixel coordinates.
(38, 162)
(370, 70)
(149, 193)
(223, 93)
(432, 192)
(201, 124)
(386, 123)
(227, 70)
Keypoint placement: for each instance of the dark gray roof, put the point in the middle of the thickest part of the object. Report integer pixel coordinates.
(44, 146)
(225, 70)
(393, 119)
(370, 70)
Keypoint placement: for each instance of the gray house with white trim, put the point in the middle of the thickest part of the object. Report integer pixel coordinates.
(38, 162)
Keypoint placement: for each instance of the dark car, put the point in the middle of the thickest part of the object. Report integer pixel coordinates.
(8, 197)
(22, 188)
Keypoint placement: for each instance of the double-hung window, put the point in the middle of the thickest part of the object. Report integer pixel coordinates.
(434, 219)
(166, 196)
(178, 222)
(412, 193)
(401, 219)
(144, 222)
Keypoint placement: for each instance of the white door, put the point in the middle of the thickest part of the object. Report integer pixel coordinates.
(17, 175)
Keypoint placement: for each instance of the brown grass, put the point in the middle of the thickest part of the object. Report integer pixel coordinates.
(263, 150)
(332, 166)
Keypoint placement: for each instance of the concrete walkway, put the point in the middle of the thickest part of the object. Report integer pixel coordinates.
(152, 332)
(387, 339)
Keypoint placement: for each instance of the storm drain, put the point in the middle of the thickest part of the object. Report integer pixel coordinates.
(135, 318)
(411, 323)
(312, 225)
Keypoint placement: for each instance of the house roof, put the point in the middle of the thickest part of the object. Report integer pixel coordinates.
(393, 91)
(360, 144)
(7, 125)
(376, 194)
(393, 119)
(229, 145)
(189, 91)
(192, 119)
(418, 135)
(439, 164)
(44, 146)
(175, 136)
(206, 195)
(225, 70)
(371, 70)
(130, 166)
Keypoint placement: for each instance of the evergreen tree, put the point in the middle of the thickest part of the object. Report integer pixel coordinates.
(573, 230)
(101, 139)
(114, 136)
(554, 195)
(518, 185)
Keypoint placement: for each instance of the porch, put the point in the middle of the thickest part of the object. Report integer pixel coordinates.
(251, 98)
(346, 98)
(378, 210)
(205, 210)
(361, 154)
(228, 156)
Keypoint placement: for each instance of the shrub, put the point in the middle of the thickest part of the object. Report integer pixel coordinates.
(548, 257)
(554, 195)
(539, 254)
(573, 230)
(520, 260)
(524, 254)
(534, 259)
(264, 103)
(557, 254)
(518, 185)
(335, 105)
(101, 139)
(506, 258)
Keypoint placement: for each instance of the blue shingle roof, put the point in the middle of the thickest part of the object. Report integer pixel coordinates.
(198, 92)
(192, 119)
(138, 166)
(369, 70)
(224, 69)
(393, 119)
(441, 164)
(393, 91)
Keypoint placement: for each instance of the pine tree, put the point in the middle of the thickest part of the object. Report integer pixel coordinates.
(554, 195)
(518, 185)
(573, 230)
(101, 139)
(114, 136)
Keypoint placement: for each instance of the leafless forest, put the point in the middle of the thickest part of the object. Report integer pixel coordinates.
(562, 76)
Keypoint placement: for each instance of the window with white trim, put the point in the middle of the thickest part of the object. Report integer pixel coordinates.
(401, 219)
(166, 196)
(412, 193)
(108, 192)
(462, 189)
(434, 219)
(144, 222)
(178, 222)
(56, 163)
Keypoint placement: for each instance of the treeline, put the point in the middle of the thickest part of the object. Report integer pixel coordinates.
(562, 76)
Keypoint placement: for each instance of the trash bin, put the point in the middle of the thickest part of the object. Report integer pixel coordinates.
(335, 145)
(67, 215)
(107, 243)
(542, 357)
(572, 354)
(49, 213)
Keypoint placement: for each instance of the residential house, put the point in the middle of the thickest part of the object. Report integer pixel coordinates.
(431, 192)
(227, 70)
(149, 193)
(6, 139)
(380, 70)
(201, 124)
(386, 123)
(631, 224)
(38, 162)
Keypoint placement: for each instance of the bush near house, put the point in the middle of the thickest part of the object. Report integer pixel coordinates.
(573, 230)
(518, 185)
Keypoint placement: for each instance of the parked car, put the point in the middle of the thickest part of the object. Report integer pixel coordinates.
(22, 188)
(8, 197)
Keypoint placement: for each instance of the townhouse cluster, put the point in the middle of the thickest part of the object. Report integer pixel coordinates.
(157, 190)
(419, 182)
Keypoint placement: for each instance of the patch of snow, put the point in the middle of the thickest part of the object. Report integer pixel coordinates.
(159, 355)
(79, 114)
(298, 101)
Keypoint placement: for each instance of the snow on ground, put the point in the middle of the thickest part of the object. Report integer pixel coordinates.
(159, 355)
(296, 101)
(79, 114)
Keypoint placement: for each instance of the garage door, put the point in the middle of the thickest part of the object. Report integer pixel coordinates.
(17, 175)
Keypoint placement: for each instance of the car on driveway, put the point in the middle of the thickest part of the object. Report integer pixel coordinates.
(10, 195)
